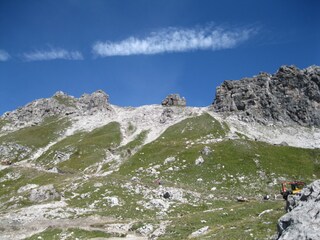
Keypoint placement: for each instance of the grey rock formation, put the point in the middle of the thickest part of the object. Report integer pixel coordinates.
(206, 151)
(60, 104)
(166, 115)
(97, 101)
(174, 100)
(12, 151)
(290, 95)
(43, 193)
(303, 221)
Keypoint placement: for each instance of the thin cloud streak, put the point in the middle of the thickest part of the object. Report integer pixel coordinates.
(175, 40)
(4, 56)
(52, 54)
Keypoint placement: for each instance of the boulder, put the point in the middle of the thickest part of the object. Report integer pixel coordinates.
(303, 219)
(43, 193)
(206, 151)
(199, 161)
(200, 232)
(96, 101)
(145, 230)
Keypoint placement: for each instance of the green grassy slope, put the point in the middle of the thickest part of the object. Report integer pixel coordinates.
(242, 166)
(32, 138)
(85, 148)
(37, 136)
(234, 167)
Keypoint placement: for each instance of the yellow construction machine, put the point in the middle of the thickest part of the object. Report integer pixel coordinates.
(291, 188)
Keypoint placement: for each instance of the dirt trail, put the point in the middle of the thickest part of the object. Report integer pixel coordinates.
(19, 230)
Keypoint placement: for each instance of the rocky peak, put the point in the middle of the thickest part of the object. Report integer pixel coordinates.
(174, 100)
(289, 96)
(60, 104)
(97, 101)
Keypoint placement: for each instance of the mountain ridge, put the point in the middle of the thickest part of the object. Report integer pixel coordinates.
(84, 168)
(289, 96)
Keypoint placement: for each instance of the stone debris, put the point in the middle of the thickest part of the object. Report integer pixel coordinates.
(27, 187)
(43, 193)
(11, 152)
(200, 232)
(10, 176)
(166, 115)
(206, 151)
(113, 201)
(303, 221)
(264, 212)
(199, 160)
(145, 230)
(161, 230)
(242, 199)
(169, 160)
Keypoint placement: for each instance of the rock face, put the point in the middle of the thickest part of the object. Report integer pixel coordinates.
(60, 104)
(43, 193)
(290, 95)
(303, 222)
(174, 100)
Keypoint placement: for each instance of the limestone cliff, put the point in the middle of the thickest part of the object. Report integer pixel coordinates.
(289, 96)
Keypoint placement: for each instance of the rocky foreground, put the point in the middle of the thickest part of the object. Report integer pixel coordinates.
(303, 221)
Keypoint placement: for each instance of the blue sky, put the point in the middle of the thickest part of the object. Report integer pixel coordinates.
(140, 51)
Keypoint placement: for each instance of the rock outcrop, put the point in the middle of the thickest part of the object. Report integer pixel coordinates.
(290, 95)
(43, 193)
(303, 221)
(60, 104)
(174, 100)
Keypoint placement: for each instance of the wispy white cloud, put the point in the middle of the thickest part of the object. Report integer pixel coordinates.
(4, 56)
(176, 40)
(52, 54)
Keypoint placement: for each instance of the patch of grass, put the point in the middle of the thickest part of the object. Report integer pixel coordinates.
(235, 167)
(242, 136)
(88, 194)
(3, 122)
(65, 100)
(22, 177)
(49, 233)
(86, 148)
(135, 226)
(233, 221)
(225, 126)
(85, 234)
(173, 142)
(37, 136)
(70, 234)
(194, 128)
(297, 163)
(131, 146)
(131, 128)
